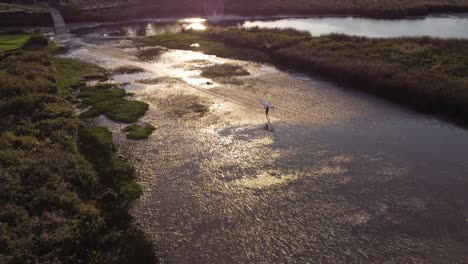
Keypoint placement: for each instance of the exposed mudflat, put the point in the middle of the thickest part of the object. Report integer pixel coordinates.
(334, 176)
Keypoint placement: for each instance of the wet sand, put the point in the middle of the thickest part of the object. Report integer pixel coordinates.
(338, 176)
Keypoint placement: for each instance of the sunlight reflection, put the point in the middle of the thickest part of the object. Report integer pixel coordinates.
(195, 26)
(188, 75)
(193, 20)
(195, 23)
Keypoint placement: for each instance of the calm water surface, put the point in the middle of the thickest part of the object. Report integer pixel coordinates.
(441, 26)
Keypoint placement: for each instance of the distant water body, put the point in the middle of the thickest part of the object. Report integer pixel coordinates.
(440, 26)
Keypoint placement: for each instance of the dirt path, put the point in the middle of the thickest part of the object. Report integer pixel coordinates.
(338, 177)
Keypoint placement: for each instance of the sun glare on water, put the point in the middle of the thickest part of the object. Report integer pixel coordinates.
(195, 23)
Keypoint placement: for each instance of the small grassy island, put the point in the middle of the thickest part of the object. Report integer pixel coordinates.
(137, 132)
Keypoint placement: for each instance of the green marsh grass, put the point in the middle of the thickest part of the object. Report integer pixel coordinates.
(109, 100)
(138, 132)
(72, 74)
(13, 41)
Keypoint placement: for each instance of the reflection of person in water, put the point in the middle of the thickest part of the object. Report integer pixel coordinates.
(268, 126)
(267, 106)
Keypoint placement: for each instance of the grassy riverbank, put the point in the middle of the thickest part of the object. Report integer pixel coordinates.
(426, 74)
(59, 201)
(12, 41)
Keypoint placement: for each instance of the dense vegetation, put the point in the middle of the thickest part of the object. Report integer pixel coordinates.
(64, 198)
(428, 74)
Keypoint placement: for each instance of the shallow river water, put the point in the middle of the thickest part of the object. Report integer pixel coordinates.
(337, 176)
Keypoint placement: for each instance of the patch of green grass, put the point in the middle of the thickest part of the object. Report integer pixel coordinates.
(137, 132)
(149, 54)
(99, 93)
(12, 42)
(109, 100)
(71, 74)
(127, 69)
(184, 106)
(185, 40)
(223, 70)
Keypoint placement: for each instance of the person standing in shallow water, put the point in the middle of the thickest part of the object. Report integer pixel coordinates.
(266, 105)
